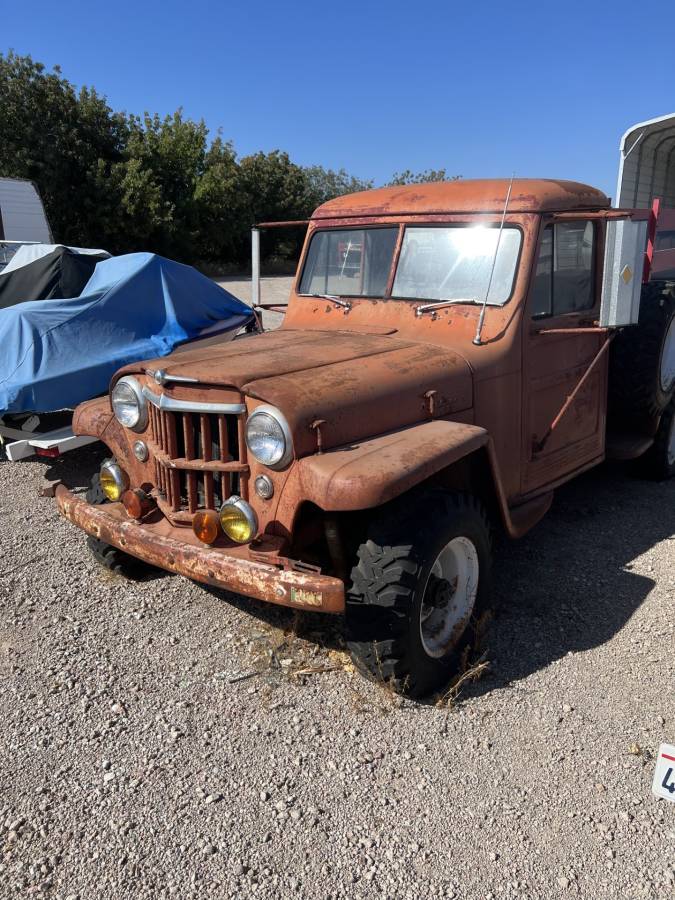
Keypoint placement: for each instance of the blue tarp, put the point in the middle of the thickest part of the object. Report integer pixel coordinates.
(56, 353)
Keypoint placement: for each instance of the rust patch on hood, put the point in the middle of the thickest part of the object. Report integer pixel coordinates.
(275, 353)
(368, 395)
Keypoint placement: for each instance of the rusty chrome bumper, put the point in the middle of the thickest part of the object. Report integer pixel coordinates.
(300, 590)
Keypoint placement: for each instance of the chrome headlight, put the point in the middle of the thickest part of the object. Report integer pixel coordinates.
(129, 404)
(268, 437)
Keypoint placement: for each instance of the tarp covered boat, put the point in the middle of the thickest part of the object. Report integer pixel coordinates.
(47, 272)
(56, 353)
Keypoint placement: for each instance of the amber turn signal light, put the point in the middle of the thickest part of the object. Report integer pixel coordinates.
(206, 525)
(137, 503)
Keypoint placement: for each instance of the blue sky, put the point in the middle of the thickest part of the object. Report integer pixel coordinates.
(481, 89)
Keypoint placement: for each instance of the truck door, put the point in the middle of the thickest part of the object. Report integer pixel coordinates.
(564, 299)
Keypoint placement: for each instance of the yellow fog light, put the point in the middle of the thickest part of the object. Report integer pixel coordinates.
(205, 525)
(238, 520)
(114, 480)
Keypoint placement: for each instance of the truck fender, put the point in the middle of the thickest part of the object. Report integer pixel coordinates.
(369, 473)
(92, 417)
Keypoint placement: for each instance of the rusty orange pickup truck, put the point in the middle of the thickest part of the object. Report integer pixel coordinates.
(450, 355)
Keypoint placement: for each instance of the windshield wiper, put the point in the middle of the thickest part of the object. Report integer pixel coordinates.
(425, 307)
(338, 301)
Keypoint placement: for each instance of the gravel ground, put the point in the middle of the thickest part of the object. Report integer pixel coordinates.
(159, 738)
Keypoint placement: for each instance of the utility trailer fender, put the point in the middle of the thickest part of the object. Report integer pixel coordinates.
(21, 443)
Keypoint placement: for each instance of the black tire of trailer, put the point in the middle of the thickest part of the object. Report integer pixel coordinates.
(659, 461)
(635, 389)
(107, 555)
(383, 616)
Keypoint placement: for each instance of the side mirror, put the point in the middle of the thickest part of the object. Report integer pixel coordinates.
(625, 242)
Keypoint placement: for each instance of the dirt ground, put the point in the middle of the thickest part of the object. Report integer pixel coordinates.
(162, 739)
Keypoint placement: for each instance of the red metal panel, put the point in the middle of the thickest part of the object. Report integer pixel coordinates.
(651, 237)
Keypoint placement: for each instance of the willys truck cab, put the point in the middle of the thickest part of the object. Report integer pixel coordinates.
(450, 355)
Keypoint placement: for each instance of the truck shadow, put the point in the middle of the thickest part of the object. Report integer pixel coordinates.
(566, 587)
(569, 585)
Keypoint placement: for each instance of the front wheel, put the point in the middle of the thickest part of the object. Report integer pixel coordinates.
(420, 583)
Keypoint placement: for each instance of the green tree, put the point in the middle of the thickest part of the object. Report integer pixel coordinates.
(173, 151)
(127, 182)
(223, 208)
(142, 219)
(408, 177)
(276, 190)
(324, 184)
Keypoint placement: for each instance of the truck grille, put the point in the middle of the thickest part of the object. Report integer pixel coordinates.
(200, 460)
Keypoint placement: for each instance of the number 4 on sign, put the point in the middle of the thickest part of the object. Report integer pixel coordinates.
(664, 774)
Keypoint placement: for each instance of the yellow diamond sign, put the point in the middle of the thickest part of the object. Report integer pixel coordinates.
(626, 274)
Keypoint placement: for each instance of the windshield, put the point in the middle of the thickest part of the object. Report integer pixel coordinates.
(349, 262)
(455, 262)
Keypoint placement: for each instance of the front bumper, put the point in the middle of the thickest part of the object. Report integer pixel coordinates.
(286, 587)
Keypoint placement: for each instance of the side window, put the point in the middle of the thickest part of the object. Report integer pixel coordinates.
(665, 240)
(542, 304)
(563, 280)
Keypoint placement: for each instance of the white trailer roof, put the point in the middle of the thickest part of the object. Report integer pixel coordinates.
(22, 215)
(647, 164)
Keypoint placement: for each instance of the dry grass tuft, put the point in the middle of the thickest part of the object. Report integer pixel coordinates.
(472, 672)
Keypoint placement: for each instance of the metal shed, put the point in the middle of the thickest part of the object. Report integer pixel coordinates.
(647, 164)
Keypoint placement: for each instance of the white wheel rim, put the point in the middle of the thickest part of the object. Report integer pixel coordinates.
(449, 596)
(668, 359)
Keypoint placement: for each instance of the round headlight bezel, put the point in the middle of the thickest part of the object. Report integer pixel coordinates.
(279, 418)
(117, 475)
(264, 487)
(248, 513)
(142, 404)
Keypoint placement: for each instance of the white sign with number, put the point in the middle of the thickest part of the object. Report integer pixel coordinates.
(664, 775)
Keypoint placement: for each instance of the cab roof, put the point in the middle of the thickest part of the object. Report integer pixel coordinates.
(466, 196)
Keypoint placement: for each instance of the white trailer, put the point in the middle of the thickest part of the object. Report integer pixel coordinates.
(22, 217)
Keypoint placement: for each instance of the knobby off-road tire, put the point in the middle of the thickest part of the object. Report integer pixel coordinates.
(638, 359)
(108, 556)
(397, 581)
(659, 461)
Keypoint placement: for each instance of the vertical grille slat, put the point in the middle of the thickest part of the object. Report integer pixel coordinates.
(173, 484)
(192, 491)
(205, 434)
(191, 479)
(162, 431)
(205, 431)
(222, 439)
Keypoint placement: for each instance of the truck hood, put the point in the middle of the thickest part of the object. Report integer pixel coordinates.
(359, 384)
